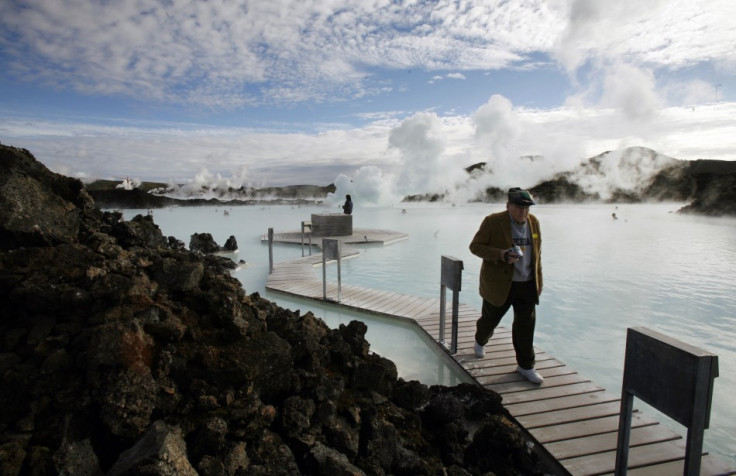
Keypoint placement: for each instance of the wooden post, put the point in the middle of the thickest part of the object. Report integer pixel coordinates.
(443, 289)
(331, 250)
(673, 377)
(270, 251)
(452, 272)
(307, 225)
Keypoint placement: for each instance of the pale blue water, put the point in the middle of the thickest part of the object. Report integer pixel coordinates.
(652, 268)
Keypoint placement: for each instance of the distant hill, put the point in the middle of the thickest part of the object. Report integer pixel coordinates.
(638, 174)
(109, 194)
(631, 175)
(101, 184)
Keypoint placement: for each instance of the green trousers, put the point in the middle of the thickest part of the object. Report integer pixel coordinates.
(523, 298)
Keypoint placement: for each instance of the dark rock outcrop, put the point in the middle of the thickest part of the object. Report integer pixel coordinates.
(32, 212)
(231, 244)
(135, 199)
(108, 194)
(122, 353)
(560, 190)
(203, 243)
(713, 186)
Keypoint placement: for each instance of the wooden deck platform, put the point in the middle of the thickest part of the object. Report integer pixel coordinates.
(359, 236)
(572, 418)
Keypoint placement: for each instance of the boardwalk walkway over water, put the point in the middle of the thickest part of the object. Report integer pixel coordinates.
(575, 420)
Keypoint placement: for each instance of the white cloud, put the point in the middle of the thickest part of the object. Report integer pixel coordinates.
(631, 90)
(660, 33)
(692, 93)
(223, 54)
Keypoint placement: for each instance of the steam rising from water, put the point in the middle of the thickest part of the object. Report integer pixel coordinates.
(627, 170)
(429, 154)
(207, 184)
(517, 152)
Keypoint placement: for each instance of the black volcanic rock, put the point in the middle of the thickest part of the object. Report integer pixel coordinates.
(203, 243)
(231, 244)
(123, 353)
(480, 167)
(560, 190)
(108, 194)
(134, 198)
(713, 185)
(27, 215)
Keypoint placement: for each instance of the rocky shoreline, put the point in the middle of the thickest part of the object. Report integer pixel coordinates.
(124, 353)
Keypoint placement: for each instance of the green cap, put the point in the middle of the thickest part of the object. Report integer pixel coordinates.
(521, 197)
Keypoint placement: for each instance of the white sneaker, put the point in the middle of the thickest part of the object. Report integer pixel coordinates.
(530, 374)
(480, 350)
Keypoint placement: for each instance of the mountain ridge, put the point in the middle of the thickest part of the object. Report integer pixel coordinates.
(709, 186)
(630, 175)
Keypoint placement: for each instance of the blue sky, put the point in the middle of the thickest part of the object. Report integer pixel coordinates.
(399, 94)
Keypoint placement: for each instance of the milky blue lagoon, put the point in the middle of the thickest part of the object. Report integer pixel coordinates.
(652, 267)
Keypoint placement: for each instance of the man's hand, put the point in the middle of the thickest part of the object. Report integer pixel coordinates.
(510, 257)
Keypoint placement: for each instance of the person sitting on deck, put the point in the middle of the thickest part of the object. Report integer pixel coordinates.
(347, 208)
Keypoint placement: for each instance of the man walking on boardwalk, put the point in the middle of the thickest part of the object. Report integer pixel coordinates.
(510, 243)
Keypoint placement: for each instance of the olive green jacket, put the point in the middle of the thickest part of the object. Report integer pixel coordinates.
(490, 243)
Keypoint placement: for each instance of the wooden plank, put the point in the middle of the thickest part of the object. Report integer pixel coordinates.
(553, 376)
(639, 456)
(358, 295)
(511, 384)
(419, 311)
(377, 299)
(585, 428)
(535, 392)
(404, 303)
(503, 364)
(598, 443)
(570, 401)
(709, 466)
(388, 306)
(464, 314)
(301, 287)
(418, 302)
(569, 415)
(422, 310)
(371, 300)
(466, 330)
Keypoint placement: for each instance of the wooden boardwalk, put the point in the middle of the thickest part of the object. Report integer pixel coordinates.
(572, 418)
